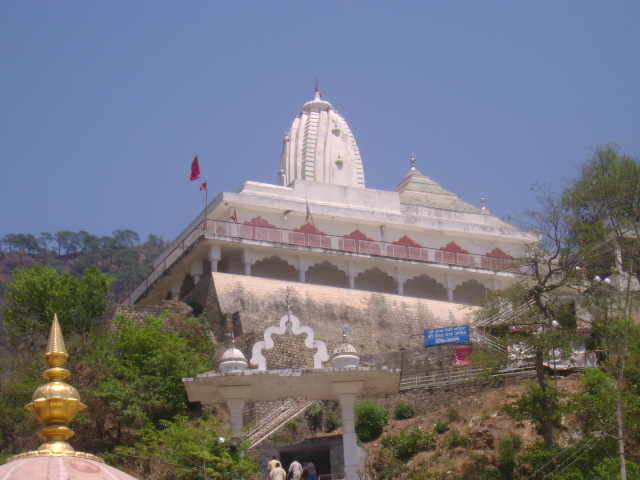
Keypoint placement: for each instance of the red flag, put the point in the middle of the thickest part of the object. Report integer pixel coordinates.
(203, 186)
(234, 217)
(195, 169)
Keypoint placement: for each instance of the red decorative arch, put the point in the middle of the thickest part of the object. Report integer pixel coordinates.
(259, 222)
(309, 228)
(358, 235)
(407, 242)
(453, 247)
(498, 253)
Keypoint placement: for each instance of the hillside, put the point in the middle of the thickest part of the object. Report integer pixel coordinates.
(470, 438)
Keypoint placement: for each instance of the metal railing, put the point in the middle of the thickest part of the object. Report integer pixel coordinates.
(276, 419)
(444, 377)
(272, 235)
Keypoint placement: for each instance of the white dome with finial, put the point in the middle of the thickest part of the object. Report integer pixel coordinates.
(345, 354)
(320, 147)
(233, 361)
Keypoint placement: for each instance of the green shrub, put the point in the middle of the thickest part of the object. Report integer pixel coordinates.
(371, 417)
(409, 443)
(506, 456)
(314, 414)
(457, 439)
(441, 427)
(292, 425)
(404, 411)
(453, 415)
(387, 467)
(331, 422)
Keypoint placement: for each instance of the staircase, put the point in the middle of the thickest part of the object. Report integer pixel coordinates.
(275, 420)
(507, 314)
(484, 338)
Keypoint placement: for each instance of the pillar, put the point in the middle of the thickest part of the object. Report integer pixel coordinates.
(248, 260)
(303, 266)
(236, 396)
(214, 257)
(352, 272)
(450, 287)
(400, 281)
(196, 270)
(175, 290)
(347, 395)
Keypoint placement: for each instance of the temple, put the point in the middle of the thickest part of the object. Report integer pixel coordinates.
(414, 258)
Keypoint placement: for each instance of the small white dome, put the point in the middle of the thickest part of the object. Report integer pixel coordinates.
(344, 347)
(233, 354)
(233, 361)
(345, 356)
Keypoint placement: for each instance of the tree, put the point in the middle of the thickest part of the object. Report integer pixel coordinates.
(35, 294)
(604, 203)
(189, 449)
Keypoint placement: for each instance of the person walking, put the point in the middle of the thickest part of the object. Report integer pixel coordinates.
(277, 473)
(273, 463)
(310, 469)
(295, 469)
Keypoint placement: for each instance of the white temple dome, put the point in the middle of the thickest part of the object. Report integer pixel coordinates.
(320, 147)
(233, 361)
(345, 356)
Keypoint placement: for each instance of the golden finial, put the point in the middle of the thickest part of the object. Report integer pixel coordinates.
(56, 403)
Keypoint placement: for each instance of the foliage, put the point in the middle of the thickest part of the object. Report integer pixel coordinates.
(37, 293)
(332, 422)
(529, 406)
(453, 415)
(371, 417)
(457, 439)
(388, 467)
(187, 449)
(408, 443)
(404, 411)
(441, 427)
(139, 367)
(314, 414)
(507, 456)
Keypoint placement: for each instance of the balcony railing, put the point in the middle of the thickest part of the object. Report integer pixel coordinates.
(273, 235)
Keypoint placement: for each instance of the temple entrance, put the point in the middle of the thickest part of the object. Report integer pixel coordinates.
(316, 450)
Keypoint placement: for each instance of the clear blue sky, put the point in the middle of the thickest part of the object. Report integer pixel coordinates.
(103, 104)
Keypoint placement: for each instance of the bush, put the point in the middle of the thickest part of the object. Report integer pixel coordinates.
(371, 417)
(331, 422)
(453, 415)
(409, 443)
(457, 439)
(292, 425)
(441, 427)
(404, 411)
(314, 415)
(506, 456)
(387, 467)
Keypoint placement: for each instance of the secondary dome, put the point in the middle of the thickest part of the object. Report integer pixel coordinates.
(54, 468)
(320, 147)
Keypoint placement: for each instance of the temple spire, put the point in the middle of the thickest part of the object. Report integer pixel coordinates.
(56, 403)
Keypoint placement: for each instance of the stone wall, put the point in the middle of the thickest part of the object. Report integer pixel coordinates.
(379, 322)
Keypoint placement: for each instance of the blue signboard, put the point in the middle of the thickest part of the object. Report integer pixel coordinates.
(441, 336)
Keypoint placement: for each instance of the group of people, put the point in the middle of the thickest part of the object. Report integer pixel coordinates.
(297, 471)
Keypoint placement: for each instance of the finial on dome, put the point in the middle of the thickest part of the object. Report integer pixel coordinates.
(56, 403)
(318, 93)
(413, 162)
(483, 202)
